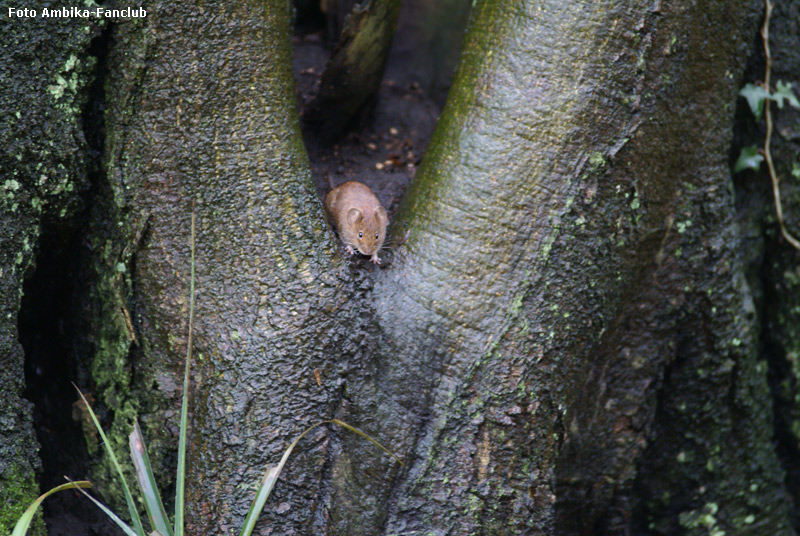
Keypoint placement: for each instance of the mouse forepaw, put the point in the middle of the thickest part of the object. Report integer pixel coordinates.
(349, 250)
(375, 258)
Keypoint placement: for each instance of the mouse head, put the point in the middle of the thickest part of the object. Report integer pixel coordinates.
(366, 231)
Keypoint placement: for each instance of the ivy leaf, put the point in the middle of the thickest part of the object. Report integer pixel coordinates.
(748, 159)
(796, 170)
(784, 92)
(755, 95)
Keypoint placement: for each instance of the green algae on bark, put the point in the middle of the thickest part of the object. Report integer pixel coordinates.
(45, 71)
(527, 308)
(351, 79)
(212, 123)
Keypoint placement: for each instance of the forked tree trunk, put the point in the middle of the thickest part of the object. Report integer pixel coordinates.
(566, 344)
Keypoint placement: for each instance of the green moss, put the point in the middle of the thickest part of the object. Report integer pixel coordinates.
(596, 161)
(12, 185)
(635, 201)
(18, 489)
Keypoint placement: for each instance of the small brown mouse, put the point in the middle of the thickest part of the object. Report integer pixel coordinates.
(359, 218)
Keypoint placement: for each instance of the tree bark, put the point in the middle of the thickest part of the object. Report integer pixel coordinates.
(351, 79)
(773, 265)
(213, 122)
(572, 282)
(567, 343)
(43, 162)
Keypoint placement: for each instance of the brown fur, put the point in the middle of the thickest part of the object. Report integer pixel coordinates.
(354, 210)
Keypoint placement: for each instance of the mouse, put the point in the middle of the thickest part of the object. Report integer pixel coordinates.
(359, 218)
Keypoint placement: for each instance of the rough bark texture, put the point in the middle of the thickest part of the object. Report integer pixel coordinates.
(568, 343)
(775, 263)
(213, 121)
(43, 165)
(572, 278)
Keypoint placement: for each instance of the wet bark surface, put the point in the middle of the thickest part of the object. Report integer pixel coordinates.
(773, 263)
(547, 366)
(43, 163)
(213, 123)
(580, 335)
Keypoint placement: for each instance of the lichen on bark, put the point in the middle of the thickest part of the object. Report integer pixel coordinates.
(43, 159)
(211, 125)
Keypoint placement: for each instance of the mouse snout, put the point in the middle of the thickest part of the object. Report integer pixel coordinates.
(366, 249)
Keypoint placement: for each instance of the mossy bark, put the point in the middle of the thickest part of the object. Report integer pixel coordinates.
(777, 268)
(43, 162)
(567, 343)
(350, 81)
(212, 124)
(571, 287)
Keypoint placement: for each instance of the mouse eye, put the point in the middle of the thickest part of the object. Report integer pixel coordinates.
(376, 236)
(360, 234)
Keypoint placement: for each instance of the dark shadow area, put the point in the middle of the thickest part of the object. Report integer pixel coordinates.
(51, 327)
(384, 150)
(766, 257)
(54, 324)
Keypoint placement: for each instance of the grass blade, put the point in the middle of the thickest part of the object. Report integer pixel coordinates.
(137, 522)
(114, 517)
(24, 521)
(179, 479)
(273, 472)
(147, 483)
(368, 438)
(267, 483)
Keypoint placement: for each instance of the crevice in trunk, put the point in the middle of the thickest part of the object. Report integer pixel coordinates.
(764, 257)
(53, 326)
(49, 325)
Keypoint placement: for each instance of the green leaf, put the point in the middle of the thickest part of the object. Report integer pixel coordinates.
(273, 472)
(755, 95)
(24, 522)
(748, 159)
(135, 519)
(784, 92)
(147, 483)
(796, 170)
(114, 517)
(181, 476)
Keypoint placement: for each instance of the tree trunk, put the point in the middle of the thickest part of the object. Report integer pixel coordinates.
(213, 122)
(569, 342)
(45, 75)
(350, 82)
(773, 264)
(572, 269)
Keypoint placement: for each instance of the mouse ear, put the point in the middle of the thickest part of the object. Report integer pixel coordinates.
(354, 216)
(380, 214)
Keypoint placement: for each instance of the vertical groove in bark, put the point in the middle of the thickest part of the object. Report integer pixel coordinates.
(778, 264)
(708, 462)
